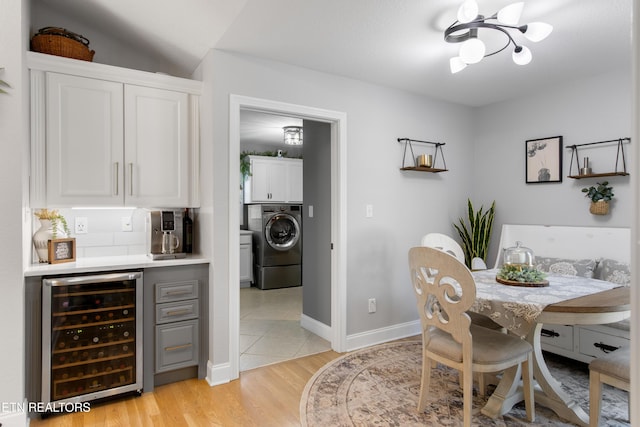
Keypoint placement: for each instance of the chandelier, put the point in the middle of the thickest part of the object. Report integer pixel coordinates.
(472, 49)
(292, 135)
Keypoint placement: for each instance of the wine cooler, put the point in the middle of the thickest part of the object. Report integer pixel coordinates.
(91, 337)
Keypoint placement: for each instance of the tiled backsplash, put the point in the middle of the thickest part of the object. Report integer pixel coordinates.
(105, 235)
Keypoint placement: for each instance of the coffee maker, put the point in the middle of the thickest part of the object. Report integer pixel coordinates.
(164, 234)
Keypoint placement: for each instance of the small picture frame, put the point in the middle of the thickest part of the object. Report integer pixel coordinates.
(62, 250)
(543, 160)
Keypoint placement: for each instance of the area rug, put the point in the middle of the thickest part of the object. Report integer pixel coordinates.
(379, 386)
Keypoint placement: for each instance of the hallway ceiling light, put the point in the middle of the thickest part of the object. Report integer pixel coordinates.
(292, 135)
(472, 50)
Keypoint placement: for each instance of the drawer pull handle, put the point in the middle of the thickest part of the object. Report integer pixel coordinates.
(604, 347)
(178, 312)
(178, 347)
(549, 333)
(173, 293)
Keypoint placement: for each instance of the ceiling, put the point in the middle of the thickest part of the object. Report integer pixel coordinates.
(265, 130)
(395, 43)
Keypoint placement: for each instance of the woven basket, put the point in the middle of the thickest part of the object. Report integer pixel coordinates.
(599, 208)
(60, 42)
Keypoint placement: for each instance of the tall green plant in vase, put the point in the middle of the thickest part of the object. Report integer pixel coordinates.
(476, 235)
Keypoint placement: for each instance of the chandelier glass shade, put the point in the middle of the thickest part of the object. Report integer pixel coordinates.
(292, 135)
(473, 49)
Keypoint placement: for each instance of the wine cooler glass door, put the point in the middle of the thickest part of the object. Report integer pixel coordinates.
(91, 337)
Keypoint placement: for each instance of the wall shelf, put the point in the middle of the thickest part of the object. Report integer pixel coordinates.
(437, 148)
(619, 156)
(422, 169)
(598, 175)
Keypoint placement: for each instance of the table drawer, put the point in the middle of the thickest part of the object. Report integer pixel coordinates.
(557, 335)
(175, 311)
(176, 345)
(597, 344)
(177, 291)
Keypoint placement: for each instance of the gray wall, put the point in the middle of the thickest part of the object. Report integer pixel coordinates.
(109, 50)
(316, 230)
(406, 204)
(589, 110)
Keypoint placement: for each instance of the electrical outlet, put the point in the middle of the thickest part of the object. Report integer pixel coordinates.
(82, 225)
(126, 223)
(372, 305)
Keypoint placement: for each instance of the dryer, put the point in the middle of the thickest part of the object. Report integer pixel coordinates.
(277, 240)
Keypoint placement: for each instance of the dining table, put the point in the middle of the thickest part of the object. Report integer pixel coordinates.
(522, 310)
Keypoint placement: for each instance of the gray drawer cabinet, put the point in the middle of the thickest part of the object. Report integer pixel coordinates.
(176, 337)
(175, 324)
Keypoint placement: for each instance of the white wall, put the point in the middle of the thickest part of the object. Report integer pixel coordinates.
(13, 187)
(406, 204)
(589, 110)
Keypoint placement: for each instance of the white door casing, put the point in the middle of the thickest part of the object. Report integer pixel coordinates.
(338, 121)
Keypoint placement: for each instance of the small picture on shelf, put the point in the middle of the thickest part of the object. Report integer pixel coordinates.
(543, 161)
(62, 250)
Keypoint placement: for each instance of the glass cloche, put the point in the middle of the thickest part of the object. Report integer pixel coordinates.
(518, 255)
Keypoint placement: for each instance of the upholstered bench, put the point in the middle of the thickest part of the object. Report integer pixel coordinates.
(599, 252)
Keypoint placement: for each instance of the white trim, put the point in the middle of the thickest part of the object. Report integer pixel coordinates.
(16, 418)
(635, 225)
(218, 374)
(338, 122)
(59, 64)
(382, 335)
(312, 325)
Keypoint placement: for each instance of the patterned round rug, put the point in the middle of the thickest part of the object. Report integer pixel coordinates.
(379, 386)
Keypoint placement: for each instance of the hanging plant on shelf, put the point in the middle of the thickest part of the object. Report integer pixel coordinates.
(600, 195)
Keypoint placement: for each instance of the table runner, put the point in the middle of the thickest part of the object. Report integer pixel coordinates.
(517, 308)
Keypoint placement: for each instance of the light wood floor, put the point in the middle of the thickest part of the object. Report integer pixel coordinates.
(267, 396)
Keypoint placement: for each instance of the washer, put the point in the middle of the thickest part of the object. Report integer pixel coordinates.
(277, 239)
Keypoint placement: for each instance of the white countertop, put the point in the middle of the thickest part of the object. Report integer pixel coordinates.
(87, 265)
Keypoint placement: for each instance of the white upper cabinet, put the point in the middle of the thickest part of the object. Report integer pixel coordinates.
(106, 136)
(84, 147)
(156, 147)
(273, 179)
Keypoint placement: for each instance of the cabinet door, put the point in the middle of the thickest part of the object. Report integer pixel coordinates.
(246, 264)
(278, 181)
(259, 181)
(295, 182)
(156, 147)
(84, 146)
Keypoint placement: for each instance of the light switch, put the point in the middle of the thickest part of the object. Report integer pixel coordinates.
(310, 211)
(369, 213)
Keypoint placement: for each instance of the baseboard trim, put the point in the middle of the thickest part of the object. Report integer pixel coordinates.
(16, 418)
(378, 336)
(218, 374)
(312, 325)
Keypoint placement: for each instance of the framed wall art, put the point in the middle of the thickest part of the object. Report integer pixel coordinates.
(543, 161)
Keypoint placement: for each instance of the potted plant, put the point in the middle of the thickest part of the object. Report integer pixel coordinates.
(475, 238)
(53, 225)
(600, 195)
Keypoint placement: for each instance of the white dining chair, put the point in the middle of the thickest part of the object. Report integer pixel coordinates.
(612, 369)
(450, 246)
(445, 290)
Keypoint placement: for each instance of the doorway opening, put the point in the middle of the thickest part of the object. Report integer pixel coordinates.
(335, 331)
(285, 222)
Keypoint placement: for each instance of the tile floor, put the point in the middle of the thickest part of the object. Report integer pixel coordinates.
(270, 330)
